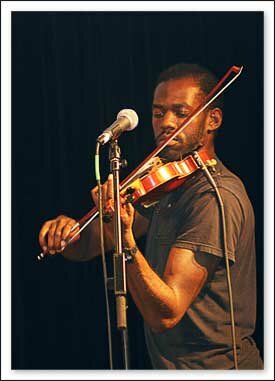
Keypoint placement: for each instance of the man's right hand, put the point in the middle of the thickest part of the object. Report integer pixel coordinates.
(54, 234)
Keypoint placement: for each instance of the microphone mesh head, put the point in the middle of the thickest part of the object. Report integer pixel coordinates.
(131, 115)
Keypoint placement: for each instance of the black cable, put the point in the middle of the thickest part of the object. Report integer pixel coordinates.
(225, 250)
(104, 266)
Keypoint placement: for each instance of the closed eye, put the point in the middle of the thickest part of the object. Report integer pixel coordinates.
(158, 114)
(182, 114)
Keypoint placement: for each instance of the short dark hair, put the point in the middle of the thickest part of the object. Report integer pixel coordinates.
(206, 79)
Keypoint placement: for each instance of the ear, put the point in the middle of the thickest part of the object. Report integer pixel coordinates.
(213, 119)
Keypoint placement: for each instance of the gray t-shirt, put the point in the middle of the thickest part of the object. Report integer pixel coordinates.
(189, 218)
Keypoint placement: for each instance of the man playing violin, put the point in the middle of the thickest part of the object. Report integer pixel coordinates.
(179, 284)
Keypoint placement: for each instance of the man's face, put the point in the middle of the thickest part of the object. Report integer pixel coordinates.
(173, 101)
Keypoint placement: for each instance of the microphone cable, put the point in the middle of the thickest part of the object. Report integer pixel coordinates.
(104, 266)
(225, 250)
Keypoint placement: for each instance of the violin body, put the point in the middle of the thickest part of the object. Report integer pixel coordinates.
(162, 179)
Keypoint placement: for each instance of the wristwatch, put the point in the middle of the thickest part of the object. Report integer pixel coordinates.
(130, 253)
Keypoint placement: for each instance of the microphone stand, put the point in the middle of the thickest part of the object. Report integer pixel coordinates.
(119, 259)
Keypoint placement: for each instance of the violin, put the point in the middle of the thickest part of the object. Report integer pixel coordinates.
(149, 188)
(152, 179)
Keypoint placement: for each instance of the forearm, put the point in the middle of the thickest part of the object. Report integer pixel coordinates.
(154, 298)
(88, 245)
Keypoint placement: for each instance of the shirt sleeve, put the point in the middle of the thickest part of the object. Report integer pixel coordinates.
(201, 230)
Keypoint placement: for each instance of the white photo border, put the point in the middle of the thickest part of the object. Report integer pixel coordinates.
(6, 8)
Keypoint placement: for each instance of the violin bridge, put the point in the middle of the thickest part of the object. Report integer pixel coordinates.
(153, 163)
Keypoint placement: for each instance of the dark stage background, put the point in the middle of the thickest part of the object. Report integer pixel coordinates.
(71, 74)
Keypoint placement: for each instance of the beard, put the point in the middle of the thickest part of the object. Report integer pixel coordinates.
(183, 145)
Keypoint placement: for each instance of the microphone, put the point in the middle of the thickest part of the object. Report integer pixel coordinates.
(127, 120)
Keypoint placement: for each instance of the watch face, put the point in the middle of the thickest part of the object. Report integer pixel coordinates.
(129, 253)
(131, 250)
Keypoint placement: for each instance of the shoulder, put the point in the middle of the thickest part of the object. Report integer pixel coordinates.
(197, 195)
(229, 184)
(233, 189)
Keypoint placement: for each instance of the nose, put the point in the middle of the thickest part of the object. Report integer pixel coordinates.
(168, 122)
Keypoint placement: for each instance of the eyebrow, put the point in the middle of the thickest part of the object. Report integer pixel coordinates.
(176, 105)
